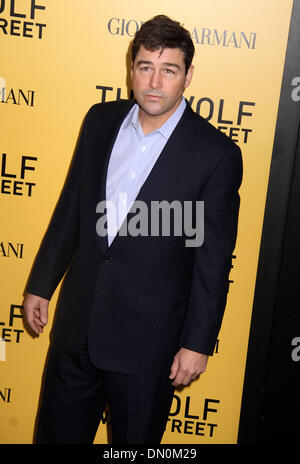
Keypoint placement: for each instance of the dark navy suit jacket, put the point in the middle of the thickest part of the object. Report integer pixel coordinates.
(142, 298)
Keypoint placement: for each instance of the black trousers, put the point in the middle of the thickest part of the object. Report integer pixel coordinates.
(75, 395)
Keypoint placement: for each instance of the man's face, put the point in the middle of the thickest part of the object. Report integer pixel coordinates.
(158, 80)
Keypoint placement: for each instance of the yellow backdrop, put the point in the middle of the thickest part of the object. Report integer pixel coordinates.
(58, 58)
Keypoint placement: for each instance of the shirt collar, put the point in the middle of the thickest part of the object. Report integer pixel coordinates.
(165, 130)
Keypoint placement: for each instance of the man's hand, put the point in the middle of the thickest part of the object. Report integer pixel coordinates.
(36, 312)
(187, 366)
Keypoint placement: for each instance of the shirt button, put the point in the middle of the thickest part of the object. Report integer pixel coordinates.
(132, 175)
(144, 148)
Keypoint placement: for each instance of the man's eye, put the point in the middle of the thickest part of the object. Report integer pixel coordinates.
(169, 71)
(145, 68)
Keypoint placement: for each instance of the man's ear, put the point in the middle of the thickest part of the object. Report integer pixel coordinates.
(189, 76)
(131, 69)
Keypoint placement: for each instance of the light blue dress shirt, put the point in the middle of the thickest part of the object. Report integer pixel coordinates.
(133, 157)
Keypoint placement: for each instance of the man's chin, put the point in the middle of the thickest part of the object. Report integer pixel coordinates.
(153, 110)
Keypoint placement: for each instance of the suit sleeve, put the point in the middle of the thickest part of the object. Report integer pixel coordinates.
(212, 260)
(61, 239)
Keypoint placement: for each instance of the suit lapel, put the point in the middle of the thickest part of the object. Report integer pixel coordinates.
(172, 161)
(103, 148)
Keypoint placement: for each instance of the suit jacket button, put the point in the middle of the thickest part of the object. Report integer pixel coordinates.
(106, 257)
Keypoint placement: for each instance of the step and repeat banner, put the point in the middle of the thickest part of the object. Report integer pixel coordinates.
(59, 57)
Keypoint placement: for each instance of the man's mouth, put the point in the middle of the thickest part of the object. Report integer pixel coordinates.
(153, 97)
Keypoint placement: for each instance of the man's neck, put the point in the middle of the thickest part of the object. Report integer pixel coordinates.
(150, 123)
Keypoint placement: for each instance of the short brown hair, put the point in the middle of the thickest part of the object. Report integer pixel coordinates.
(162, 32)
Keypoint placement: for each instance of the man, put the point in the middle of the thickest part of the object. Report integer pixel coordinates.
(138, 314)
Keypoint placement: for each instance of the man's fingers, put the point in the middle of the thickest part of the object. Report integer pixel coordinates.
(31, 318)
(180, 375)
(184, 378)
(39, 320)
(36, 312)
(190, 365)
(180, 378)
(44, 313)
(174, 368)
(37, 328)
(36, 323)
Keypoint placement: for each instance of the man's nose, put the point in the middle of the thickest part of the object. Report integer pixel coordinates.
(155, 80)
